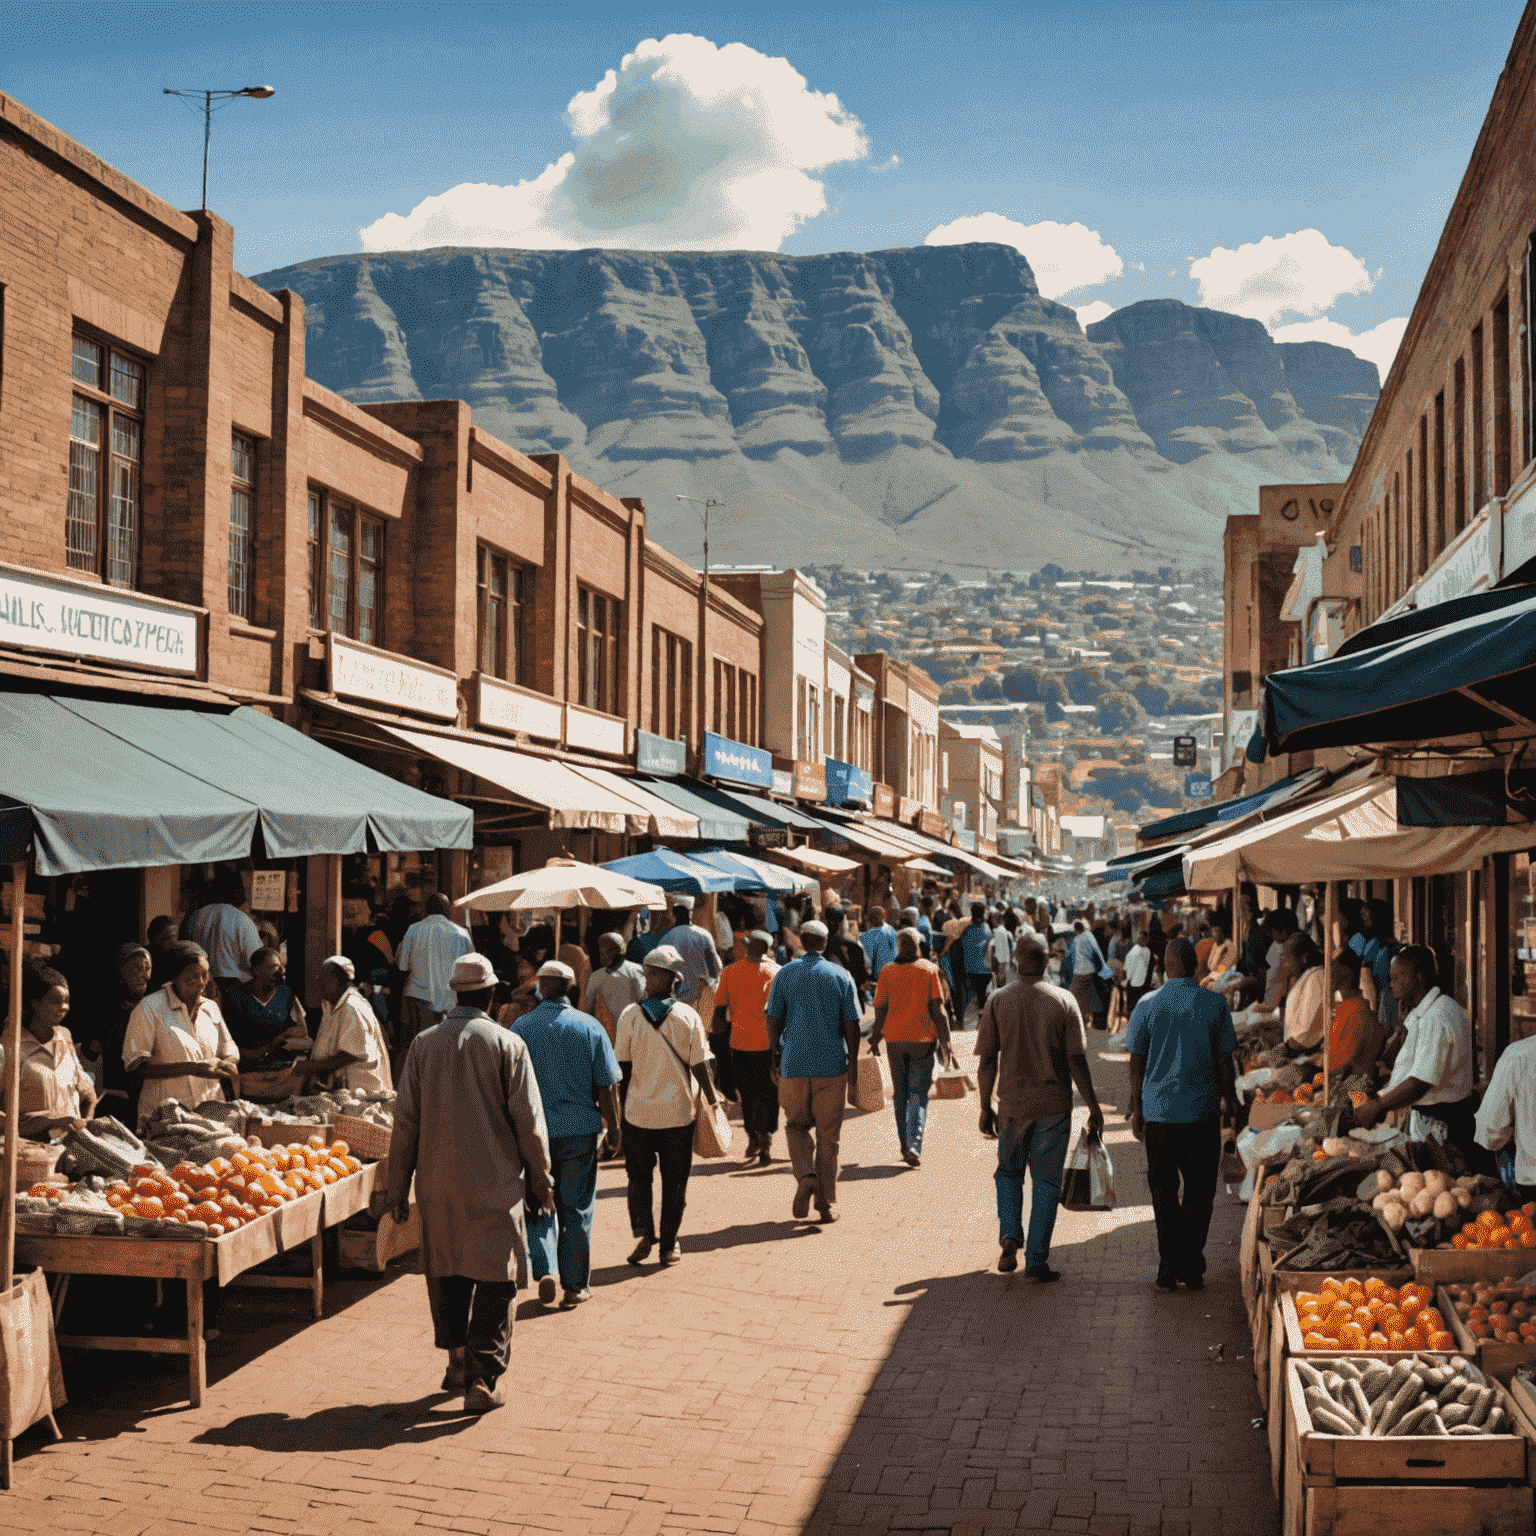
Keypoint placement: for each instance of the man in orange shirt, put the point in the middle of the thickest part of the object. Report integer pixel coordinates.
(741, 995)
(909, 1016)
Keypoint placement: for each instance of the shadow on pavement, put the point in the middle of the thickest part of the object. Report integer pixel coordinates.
(356, 1427)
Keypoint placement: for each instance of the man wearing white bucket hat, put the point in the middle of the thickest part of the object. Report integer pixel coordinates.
(469, 1123)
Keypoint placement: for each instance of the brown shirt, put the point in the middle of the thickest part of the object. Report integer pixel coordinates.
(1029, 1029)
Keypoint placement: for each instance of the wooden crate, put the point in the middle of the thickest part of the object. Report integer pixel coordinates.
(283, 1133)
(1493, 1358)
(1404, 1509)
(1293, 1345)
(1437, 1266)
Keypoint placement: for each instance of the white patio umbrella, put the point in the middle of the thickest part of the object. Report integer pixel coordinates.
(562, 884)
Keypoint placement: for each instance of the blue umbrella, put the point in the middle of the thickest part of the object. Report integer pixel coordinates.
(675, 872)
(752, 875)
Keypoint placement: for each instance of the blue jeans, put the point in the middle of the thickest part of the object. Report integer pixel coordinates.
(911, 1076)
(1040, 1146)
(563, 1241)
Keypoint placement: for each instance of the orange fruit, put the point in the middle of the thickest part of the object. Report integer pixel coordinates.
(1460, 1241)
(216, 1229)
(1313, 1341)
(1376, 1341)
(1432, 1321)
(1497, 1236)
(1487, 1219)
(149, 1206)
(176, 1202)
(317, 1140)
(1396, 1339)
(1375, 1286)
(339, 1149)
(1352, 1336)
(353, 1164)
(1441, 1340)
(1413, 1338)
(221, 1166)
(1332, 1286)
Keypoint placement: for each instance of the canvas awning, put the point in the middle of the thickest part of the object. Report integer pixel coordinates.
(865, 838)
(819, 860)
(765, 812)
(1224, 810)
(571, 800)
(926, 867)
(103, 785)
(653, 817)
(1353, 834)
(1463, 667)
(753, 875)
(717, 824)
(679, 873)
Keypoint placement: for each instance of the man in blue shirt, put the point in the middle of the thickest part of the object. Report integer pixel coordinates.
(1181, 1042)
(975, 943)
(813, 1032)
(577, 1075)
(879, 942)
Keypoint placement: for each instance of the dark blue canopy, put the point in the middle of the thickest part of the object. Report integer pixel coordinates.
(1203, 815)
(673, 871)
(1457, 668)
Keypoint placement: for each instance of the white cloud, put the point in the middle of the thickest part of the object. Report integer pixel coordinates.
(1378, 345)
(685, 145)
(1063, 257)
(890, 165)
(1088, 313)
(1299, 273)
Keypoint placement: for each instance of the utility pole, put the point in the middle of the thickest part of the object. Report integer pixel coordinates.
(703, 641)
(255, 92)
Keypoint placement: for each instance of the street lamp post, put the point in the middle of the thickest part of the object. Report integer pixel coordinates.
(255, 92)
(703, 613)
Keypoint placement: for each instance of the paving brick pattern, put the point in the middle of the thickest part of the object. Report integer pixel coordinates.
(874, 1376)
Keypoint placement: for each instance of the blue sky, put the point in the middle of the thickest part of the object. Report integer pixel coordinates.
(1168, 131)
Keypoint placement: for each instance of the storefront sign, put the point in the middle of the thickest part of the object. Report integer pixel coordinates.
(1241, 724)
(593, 732)
(76, 618)
(1463, 569)
(783, 783)
(930, 822)
(810, 781)
(1197, 786)
(727, 759)
(502, 706)
(966, 840)
(883, 800)
(269, 890)
(864, 697)
(655, 754)
(381, 677)
(907, 808)
(847, 785)
(767, 837)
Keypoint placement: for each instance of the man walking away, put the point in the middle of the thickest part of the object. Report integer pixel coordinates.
(426, 959)
(1087, 964)
(578, 1083)
(813, 1032)
(740, 1003)
(878, 942)
(1138, 967)
(975, 941)
(1000, 950)
(909, 1017)
(469, 1124)
(848, 953)
(701, 969)
(662, 1043)
(1181, 1042)
(615, 984)
(1032, 1049)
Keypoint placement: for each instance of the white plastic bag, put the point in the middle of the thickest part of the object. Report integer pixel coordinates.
(1088, 1181)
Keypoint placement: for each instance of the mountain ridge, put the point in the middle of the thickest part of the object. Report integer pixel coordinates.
(915, 407)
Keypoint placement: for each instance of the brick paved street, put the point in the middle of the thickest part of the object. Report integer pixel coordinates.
(875, 1376)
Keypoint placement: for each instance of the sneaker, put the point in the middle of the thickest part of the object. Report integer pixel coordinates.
(911, 1159)
(1194, 1282)
(547, 1288)
(1042, 1273)
(482, 1396)
(642, 1250)
(828, 1214)
(803, 1192)
(1008, 1259)
(575, 1298)
(1166, 1281)
(673, 1255)
(453, 1377)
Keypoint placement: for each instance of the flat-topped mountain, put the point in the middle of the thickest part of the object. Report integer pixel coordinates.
(922, 407)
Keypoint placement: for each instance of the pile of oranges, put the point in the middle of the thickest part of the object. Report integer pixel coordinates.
(1505, 1313)
(1371, 1315)
(229, 1192)
(1514, 1229)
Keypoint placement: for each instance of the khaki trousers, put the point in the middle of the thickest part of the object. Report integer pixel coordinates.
(816, 1102)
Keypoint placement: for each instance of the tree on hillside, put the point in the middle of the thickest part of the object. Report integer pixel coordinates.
(1085, 684)
(1119, 713)
(954, 693)
(1152, 698)
(1211, 688)
(1052, 573)
(988, 691)
(1188, 704)
(1054, 713)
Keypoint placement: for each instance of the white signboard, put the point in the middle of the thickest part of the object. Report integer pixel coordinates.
(96, 623)
(594, 732)
(269, 890)
(381, 677)
(501, 707)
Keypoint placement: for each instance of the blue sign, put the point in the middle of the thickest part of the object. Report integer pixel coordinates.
(964, 839)
(655, 754)
(727, 759)
(847, 785)
(1198, 786)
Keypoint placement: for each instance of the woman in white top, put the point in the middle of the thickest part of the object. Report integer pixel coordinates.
(664, 1054)
(176, 1040)
(350, 1049)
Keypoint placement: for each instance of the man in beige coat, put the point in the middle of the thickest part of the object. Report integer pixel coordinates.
(469, 1124)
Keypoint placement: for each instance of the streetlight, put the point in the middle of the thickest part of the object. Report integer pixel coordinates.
(255, 92)
(703, 607)
(700, 502)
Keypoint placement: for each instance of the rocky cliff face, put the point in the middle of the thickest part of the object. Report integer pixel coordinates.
(913, 407)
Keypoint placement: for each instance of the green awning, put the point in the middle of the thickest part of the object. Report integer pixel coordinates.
(89, 785)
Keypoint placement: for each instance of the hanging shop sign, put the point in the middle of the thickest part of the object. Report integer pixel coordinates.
(847, 785)
(759, 836)
(1197, 786)
(96, 623)
(655, 754)
(381, 677)
(727, 759)
(883, 800)
(783, 783)
(503, 706)
(931, 823)
(592, 731)
(810, 781)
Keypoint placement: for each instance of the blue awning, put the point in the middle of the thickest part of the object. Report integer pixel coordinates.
(1226, 810)
(1459, 668)
(752, 875)
(677, 872)
(765, 812)
(718, 823)
(90, 785)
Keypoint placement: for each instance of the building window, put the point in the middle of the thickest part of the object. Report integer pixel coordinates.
(1527, 354)
(1459, 444)
(1411, 561)
(730, 705)
(242, 528)
(1397, 536)
(1439, 471)
(502, 588)
(597, 651)
(1501, 408)
(346, 569)
(671, 685)
(1424, 523)
(106, 452)
(1479, 425)
(838, 744)
(813, 752)
(749, 733)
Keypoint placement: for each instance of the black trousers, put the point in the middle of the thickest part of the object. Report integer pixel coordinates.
(979, 986)
(475, 1316)
(672, 1148)
(759, 1092)
(724, 1070)
(1191, 1152)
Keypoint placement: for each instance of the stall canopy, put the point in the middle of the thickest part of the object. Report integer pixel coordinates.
(1356, 833)
(654, 816)
(1459, 668)
(761, 877)
(818, 859)
(92, 785)
(767, 813)
(717, 823)
(679, 873)
(866, 838)
(1224, 810)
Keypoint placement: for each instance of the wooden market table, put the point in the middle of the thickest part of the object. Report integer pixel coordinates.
(227, 1259)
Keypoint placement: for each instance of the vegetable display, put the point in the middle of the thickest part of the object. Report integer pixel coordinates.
(1371, 1315)
(1503, 1312)
(1413, 1397)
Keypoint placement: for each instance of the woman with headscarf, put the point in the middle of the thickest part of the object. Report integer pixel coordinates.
(350, 1049)
(56, 1091)
(177, 1043)
(132, 968)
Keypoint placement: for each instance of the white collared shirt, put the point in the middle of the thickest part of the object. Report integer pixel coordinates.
(160, 1030)
(1509, 1108)
(350, 1027)
(1437, 1051)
